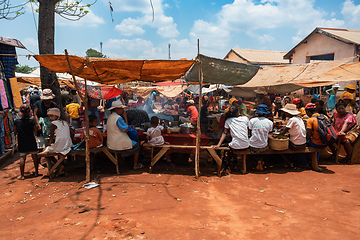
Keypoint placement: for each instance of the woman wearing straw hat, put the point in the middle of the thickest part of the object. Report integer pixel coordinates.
(297, 131)
(117, 137)
(349, 90)
(40, 111)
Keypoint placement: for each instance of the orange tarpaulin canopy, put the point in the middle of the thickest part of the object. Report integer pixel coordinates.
(114, 71)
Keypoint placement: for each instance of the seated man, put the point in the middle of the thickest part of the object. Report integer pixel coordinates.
(312, 133)
(117, 128)
(260, 128)
(192, 111)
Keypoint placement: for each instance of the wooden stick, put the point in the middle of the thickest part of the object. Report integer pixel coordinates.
(87, 137)
(73, 76)
(85, 101)
(198, 128)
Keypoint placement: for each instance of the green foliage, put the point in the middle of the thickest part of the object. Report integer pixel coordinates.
(93, 53)
(24, 69)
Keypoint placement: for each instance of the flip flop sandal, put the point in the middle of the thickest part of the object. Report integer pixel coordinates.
(140, 166)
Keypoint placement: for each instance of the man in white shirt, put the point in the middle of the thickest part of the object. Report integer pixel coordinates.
(260, 128)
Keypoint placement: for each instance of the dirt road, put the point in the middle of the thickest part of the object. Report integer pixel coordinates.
(277, 203)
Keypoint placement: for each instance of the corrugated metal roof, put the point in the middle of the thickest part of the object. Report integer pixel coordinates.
(261, 56)
(344, 35)
(12, 42)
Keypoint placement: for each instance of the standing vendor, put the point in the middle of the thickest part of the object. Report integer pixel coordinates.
(332, 96)
(191, 114)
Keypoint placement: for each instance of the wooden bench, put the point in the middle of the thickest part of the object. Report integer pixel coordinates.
(93, 151)
(242, 153)
(165, 148)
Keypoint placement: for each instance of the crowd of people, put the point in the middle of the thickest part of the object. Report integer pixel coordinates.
(249, 128)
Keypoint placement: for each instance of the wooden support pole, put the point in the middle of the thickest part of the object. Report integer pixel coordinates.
(198, 128)
(85, 101)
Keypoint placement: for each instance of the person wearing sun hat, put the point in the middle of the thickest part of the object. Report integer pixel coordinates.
(349, 91)
(117, 137)
(40, 111)
(348, 102)
(260, 127)
(297, 131)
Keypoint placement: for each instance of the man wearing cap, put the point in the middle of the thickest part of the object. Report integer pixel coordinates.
(332, 96)
(312, 126)
(117, 137)
(40, 111)
(191, 113)
(260, 127)
(239, 104)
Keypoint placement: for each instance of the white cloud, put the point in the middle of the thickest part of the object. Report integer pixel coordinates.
(253, 17)
(210, 34)
(261, 38)
(130, 27)
(90, 20)
(135, 26)
(351, 14)
(127, 44)
(168, 31)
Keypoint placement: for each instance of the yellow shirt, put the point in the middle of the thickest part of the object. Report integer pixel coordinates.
(73, 110)
(302, 111)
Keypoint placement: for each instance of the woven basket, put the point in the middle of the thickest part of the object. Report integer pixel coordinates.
(278, 144)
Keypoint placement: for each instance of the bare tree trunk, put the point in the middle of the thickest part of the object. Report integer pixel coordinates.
(46, 39)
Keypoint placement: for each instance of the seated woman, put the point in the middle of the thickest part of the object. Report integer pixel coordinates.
(238, 128)
(63, 134)
(297, 131)
(347, 128)
(117, 137)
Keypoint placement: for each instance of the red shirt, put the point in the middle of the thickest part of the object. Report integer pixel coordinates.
(193, 113)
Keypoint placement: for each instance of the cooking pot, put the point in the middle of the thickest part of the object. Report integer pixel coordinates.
(186, 128)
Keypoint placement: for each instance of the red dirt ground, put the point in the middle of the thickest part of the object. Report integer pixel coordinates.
(277, 203)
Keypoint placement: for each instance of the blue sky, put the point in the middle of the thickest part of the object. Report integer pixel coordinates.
(220, 25)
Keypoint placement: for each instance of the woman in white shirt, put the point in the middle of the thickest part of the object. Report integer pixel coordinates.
(297, 131)
(238, 128)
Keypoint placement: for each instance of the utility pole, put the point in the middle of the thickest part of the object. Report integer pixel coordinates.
(169, 51)
(101, 47)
